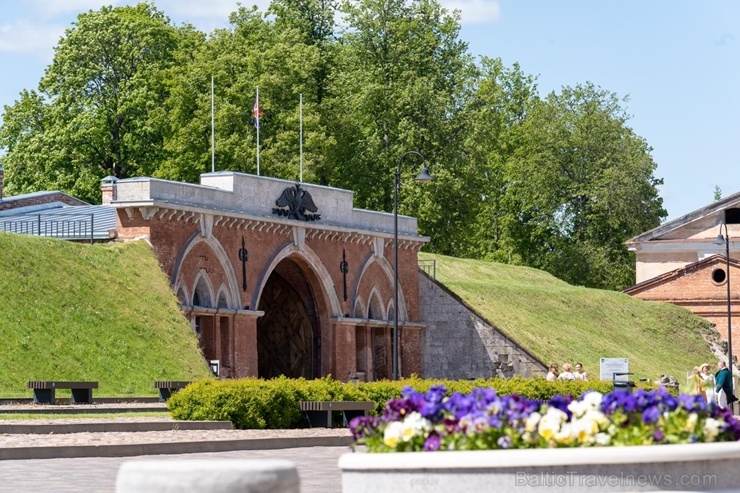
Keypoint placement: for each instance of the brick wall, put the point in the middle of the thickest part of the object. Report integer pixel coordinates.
(13, 203)
(317, 284)
(695, 289)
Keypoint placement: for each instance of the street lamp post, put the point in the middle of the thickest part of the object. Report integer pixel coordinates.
(423, 177)
(726, 241)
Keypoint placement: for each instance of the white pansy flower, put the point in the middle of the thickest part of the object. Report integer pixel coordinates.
(691, 422)
(602, 438)
(566, 434)
(414, 424)
(392, 434)
(711, 429)
(533, 419)
(590, 402)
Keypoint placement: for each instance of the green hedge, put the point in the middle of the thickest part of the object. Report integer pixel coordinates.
(253, 403)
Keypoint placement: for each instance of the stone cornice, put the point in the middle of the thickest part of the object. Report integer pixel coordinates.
(267, 224)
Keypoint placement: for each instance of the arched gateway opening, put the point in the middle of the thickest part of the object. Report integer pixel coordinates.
(288, 335)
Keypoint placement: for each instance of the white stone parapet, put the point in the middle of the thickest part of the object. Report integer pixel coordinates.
(252, 196)
(208, 475)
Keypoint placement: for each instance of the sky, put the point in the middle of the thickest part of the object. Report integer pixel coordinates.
(677, 62)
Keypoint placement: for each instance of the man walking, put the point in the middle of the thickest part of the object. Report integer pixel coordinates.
(723, 379)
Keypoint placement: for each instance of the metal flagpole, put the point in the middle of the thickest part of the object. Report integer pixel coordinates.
(257, 119)
(213, 132)
(300, 139)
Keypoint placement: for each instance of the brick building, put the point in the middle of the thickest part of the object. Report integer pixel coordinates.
(679, 262)
(302, 290)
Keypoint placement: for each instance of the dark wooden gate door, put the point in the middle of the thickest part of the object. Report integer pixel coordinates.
(284, 333)
(380, 355)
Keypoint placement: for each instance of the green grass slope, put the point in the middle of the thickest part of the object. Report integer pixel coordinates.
(561, 323)
(103, 313)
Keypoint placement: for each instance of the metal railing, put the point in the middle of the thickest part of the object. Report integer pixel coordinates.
(66, 229)
(429, 267)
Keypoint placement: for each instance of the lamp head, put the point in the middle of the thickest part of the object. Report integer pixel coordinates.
(424, 176)
(720, 240)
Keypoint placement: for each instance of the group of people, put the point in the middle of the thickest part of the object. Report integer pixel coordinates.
(566, 374)
(715, 387)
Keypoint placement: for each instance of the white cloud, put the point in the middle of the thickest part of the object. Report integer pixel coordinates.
(30, 39)
(475, 11)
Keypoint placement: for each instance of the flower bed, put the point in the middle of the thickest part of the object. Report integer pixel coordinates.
(483, 420)
(486, 442)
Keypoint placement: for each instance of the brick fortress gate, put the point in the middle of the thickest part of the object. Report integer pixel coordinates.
(279, 278)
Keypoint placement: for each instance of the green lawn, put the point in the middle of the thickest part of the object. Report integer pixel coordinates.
(561, 323)
(103, 312)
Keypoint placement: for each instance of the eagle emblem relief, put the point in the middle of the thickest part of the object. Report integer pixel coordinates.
(299, 204)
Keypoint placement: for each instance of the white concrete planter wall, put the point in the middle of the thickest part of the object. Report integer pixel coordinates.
(694, 467)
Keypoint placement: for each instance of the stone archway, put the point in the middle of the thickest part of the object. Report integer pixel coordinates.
(288, 335)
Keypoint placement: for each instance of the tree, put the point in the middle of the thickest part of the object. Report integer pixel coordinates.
(402, 65)
(717, 193)
(254, 52)
(580, 184)
(498, 103)
(96, 109)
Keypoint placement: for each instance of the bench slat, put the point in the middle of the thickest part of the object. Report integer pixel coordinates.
(53, 384)
(319, 413)
(336, 405)
(171, 384)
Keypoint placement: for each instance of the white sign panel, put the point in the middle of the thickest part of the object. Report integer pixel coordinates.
(610, 366)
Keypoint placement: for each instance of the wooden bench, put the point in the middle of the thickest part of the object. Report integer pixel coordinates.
(43, 391)
(168, 387)
(318, 413)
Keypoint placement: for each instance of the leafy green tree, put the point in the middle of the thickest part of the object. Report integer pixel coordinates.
(580, 184)
(402, 66)
(498, 103)
(717, 193)
(96, 109)
(254, 52)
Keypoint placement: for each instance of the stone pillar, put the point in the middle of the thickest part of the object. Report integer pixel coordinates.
(245, 362)
(208, 475)
(108, 190)
(345, 349)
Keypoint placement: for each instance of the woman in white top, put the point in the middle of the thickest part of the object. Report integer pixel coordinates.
(709, 383)
(552, 375)
(579, 373)
(567, 374)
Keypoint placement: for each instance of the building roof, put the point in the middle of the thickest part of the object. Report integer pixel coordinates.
(37, 195)
(675, 273)
(58, 220)
(715, 208)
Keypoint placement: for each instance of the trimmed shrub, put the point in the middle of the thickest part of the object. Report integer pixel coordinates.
(253, 403)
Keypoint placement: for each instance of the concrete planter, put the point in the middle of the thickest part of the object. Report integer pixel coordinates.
(694, 467)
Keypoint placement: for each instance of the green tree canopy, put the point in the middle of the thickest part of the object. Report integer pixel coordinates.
(556, 182)
(95, 112)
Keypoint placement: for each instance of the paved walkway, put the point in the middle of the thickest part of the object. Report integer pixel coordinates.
(89, 461)
(317, 467)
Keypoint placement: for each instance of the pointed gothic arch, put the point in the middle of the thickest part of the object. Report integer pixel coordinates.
(232, 293)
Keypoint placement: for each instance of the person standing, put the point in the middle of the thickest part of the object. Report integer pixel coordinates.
(552, 375)
(579, 373)
(696, 382)
(567, 374)
(723, 385)
(709, 382)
